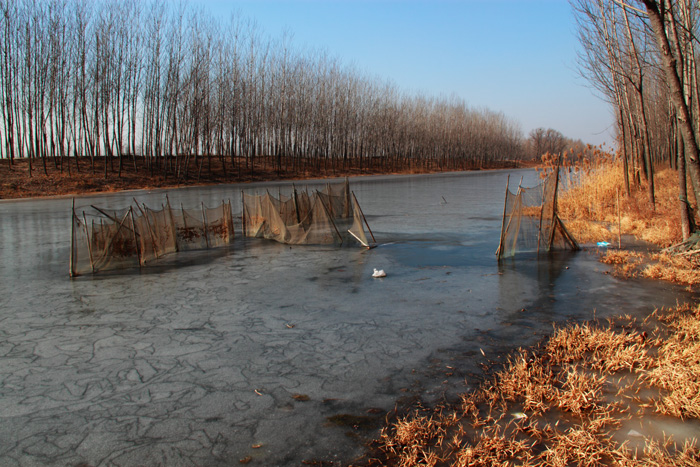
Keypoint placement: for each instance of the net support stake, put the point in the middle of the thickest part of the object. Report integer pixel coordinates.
(554, 205)
(346, 193)
(228, 220)
(112, 218)
(243, 226)
(136, 241)
(172, 222)
(89, 245)
(499, 252)
(358, 239)
(330, 217)
(619, 221)
(296, 204)
(72, 240)
(567, 236)
(204, 221)
(148, 225)
(363, 216)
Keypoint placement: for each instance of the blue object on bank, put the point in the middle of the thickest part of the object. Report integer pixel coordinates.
(603, 243)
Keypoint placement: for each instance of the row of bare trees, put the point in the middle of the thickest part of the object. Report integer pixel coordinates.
(541, 141)
(128, 81)
(641, 55)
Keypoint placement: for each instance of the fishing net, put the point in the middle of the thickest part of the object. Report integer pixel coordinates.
(107, 240)
(330, 216)
(531, 222)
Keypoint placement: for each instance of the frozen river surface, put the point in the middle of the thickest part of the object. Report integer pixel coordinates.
(266, 353)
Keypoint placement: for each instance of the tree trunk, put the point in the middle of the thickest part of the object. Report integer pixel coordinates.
(686, 224)
(668, 62)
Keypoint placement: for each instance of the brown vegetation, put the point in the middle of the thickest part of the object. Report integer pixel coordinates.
(595, 210)
(61, 179)
(641, 56)
(564, 401)
(596, 207)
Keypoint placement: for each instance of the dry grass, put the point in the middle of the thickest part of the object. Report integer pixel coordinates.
(603, 349)
(596, 208)
(590, 207)
(680, 269)
(560, 403)
(677, 367)
(552, 406)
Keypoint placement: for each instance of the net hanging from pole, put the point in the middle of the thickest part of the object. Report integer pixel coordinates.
(323, 217)
(108, 240)
(531, 222)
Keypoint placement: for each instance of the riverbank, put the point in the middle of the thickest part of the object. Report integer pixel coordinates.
(620, 392)
(598, 393)
(84, 176)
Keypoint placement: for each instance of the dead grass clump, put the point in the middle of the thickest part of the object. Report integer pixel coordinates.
(492, 449)
(525, 379)
(682, 269)
(678, 268)
(666, 454)
(601, 349)
(581, 391)
(621, 257)
(577, 445)
(677, 368)
(411, 439)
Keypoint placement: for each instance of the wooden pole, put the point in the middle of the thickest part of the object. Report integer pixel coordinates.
(150, 229)
(133, 230)
(499, 251)
(358, 239)
(346, 194)
(110, 217)
(554, 205)
(72, 240)
(363, 216)
(87, 236)
(172, 222)
(244, 230)
(329, 216)
(229, 219)
(204, 221)
(184, 223)
(296, 204)
(619, 222)
(226, 209)
(518, 202)
(567, 236)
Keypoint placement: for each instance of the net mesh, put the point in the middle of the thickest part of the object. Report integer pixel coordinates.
(330, 216)
(107, 240)
(531, 222)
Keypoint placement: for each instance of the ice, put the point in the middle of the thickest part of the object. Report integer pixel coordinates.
(195, 360)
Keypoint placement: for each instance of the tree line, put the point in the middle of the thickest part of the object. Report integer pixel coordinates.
(157, 84)
(641, 55)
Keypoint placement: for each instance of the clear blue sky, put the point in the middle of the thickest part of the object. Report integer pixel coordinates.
(517, 57)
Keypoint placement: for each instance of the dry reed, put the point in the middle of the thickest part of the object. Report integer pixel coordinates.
(679, 268)
(677, 367)
(596, 207)
(510, 419)
(682, 269)
(559, 403)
